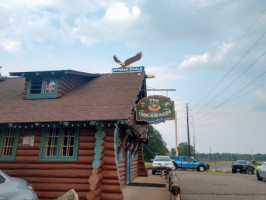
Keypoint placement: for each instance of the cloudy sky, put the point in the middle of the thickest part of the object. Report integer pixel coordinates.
(211, 52)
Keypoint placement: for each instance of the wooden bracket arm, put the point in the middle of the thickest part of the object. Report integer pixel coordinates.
(122, 144)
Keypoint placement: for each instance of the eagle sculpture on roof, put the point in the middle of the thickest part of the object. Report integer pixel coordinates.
(129, 60)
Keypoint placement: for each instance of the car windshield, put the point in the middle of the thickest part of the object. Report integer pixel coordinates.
(243, 162)
(162, 158)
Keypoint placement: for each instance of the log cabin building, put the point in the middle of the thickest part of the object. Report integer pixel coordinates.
(63, 130)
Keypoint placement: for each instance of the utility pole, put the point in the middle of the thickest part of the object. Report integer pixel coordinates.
(211, 154)
(252, 155)
(194, 147)
(188, 138)
(176, 144)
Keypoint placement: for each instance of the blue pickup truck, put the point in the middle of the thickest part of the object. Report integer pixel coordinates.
(186, 162)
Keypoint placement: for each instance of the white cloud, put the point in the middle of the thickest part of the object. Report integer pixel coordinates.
(222, 51)
(192, 60)
(120, 12)
(214, 56)
(11, 46)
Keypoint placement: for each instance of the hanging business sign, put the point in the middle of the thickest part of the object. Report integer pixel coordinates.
(155, 109)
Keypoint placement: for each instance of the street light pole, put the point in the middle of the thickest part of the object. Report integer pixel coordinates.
(176, 144)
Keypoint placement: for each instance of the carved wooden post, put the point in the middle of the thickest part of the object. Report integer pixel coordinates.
(96, 178)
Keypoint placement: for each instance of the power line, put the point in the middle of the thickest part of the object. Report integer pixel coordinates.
(234, 48)
(234, 66)
(227, 86)
(233, 96)
(252, 90)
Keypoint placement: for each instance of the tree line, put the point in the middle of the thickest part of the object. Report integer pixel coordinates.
(157, 146)
(230, 157)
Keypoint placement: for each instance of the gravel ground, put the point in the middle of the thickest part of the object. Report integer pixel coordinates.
(220, 186)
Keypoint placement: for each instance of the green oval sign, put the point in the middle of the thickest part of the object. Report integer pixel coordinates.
(155, 109)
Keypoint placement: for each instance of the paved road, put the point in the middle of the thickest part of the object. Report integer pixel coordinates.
(220, 186)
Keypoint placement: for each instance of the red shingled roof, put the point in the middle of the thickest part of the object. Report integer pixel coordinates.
(107, 97)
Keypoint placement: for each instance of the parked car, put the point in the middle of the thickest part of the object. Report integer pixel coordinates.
(162, 161)
(242, 166)
(186, 162)
(15, 188)
(261, 172)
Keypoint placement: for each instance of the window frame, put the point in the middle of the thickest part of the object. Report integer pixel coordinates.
(58, 157)
(42, 95)
(15, 144)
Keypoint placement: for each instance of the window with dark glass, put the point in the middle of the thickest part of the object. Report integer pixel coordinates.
(8, 143)
(59, 144)
(36, 86)
(2, 179)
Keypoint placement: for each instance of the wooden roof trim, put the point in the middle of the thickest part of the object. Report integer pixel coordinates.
(54, 73)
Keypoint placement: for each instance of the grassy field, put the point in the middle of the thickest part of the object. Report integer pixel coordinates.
(148, 164)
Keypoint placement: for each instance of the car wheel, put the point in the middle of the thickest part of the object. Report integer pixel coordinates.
(233, 171)
(252, 171)
(258, 177)
(201, 168)
(153, 172)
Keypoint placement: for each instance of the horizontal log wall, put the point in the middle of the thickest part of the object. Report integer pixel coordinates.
(68, 83)
(134, 169)
(122, 172)
(50, 179)
(142, 171)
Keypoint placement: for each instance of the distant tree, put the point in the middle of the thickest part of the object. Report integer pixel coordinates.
(230, 157)
(172, 152)
(157, 145)
(183, 150)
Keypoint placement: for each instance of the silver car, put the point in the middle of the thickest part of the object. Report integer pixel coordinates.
(261, 172)
(162, 161)
(15, 189)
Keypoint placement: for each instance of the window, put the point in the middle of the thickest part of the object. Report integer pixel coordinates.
(49, 85)
(8, 143)
(59, 144)
(42, 88)
(2, 179)
(188, 159)
(174, 158)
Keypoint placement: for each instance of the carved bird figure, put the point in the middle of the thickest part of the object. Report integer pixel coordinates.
(129, 60)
